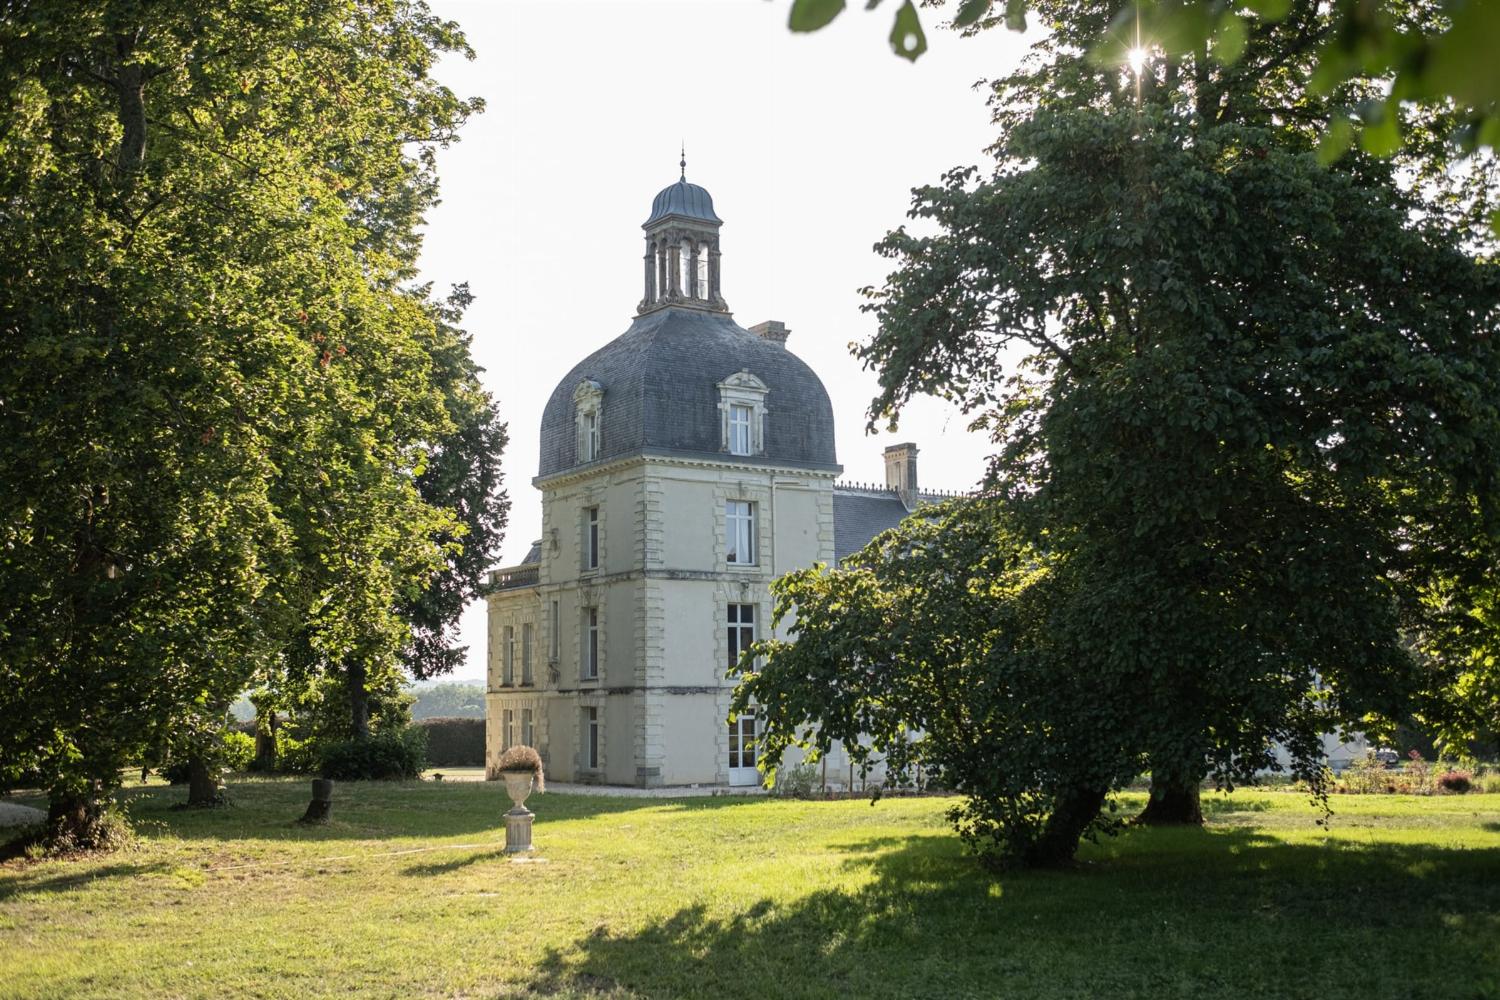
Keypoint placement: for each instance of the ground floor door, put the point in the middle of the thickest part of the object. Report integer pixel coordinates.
(742, 751)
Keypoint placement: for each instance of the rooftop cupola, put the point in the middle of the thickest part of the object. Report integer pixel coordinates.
(682, 249)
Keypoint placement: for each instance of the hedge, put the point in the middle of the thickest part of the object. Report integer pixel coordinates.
(454, 741)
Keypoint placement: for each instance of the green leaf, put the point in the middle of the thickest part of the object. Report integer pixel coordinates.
(907, 38)
(1229, 38)
(810, 15)
(1015, 15)
(1271, 10)
(1335, 141)
(970, 11)
(1381, 137)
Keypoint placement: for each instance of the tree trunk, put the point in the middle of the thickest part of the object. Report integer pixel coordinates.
(265, 745)
(204, 790)
(1174, 800)
(76, 821)
(359, 701)
(1072, 813)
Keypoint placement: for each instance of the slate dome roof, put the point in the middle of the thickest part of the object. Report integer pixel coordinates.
(684, 199)
(660, 380)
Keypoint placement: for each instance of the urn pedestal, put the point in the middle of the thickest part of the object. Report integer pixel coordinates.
(518, 820)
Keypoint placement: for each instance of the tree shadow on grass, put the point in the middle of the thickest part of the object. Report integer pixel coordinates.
(28, 880)
(377, 810)
(1225, 913)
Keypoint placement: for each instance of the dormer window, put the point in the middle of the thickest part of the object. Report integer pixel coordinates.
(740, 415)
(588, 404)
(742, 406)
(590, 436)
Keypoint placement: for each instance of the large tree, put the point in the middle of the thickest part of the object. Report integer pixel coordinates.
(217, 387)
(1247, 408)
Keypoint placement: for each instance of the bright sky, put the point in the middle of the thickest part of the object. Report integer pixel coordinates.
(809, 144)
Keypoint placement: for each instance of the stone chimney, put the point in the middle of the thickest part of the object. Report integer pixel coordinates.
(771, 330)
(901, 472)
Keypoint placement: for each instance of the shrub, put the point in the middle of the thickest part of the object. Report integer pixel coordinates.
(454, 742)
(294, 756)
(239, 751)
(388, 755)
(1455, 782)
(1366, 775)
(520, 758)
(798, 782)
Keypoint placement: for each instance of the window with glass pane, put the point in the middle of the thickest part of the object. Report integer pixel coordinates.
(508, 656)
(742, 742)
(526, 630)
(591, 539)
(510, 727)
(591, 645)
(739, 530)
(739, 429)
(741, 631)
(528, 731)
(591, 738)
(590, 436)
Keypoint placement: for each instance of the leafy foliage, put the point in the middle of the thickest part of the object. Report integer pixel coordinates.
(1246, 406)
(1433, 53)
(454, 742)
(217, 392)
(393, 754)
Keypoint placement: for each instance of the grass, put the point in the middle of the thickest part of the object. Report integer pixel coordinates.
(408, 894)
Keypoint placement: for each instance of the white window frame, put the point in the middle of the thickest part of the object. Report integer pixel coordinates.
(588, 406)
(741, 621)
(508, 656)
(589, 751)
(528, 727)
(742, 389)
(590, 654)
(510, 728)
(591, 537)
(741, 415)
(527, 642)
(740, 536)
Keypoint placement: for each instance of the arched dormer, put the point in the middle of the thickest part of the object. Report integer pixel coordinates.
(742, 414)
(588, 411)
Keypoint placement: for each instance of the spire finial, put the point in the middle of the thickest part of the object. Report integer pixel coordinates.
(683, 162)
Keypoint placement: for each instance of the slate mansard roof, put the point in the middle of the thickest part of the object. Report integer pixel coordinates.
(660, 381)
(860, 513)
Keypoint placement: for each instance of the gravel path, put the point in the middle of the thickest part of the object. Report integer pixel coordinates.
(16, 815)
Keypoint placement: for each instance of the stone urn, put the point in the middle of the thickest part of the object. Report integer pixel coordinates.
(518, 786)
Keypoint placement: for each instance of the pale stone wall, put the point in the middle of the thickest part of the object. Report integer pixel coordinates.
(662, 587)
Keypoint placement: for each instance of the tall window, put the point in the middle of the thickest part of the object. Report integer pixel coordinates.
(556, 624)
(510, 727)
(739, 428)
(739, 530)
(526, 630)
(591, 538)
(590, 436)
(741, 631)
(508, 656)
(591, 644)
(528, 729)
(590, 736)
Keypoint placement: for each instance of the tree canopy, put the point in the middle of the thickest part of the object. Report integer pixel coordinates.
(1392, 71)
(219, 390)
(1246, 410)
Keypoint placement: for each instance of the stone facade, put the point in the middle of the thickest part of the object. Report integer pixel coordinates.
(685, 465)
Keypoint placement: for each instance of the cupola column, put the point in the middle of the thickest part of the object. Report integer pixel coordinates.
(683, 236)
(650, 293)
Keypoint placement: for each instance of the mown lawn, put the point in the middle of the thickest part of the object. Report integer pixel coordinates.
(407, 894)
